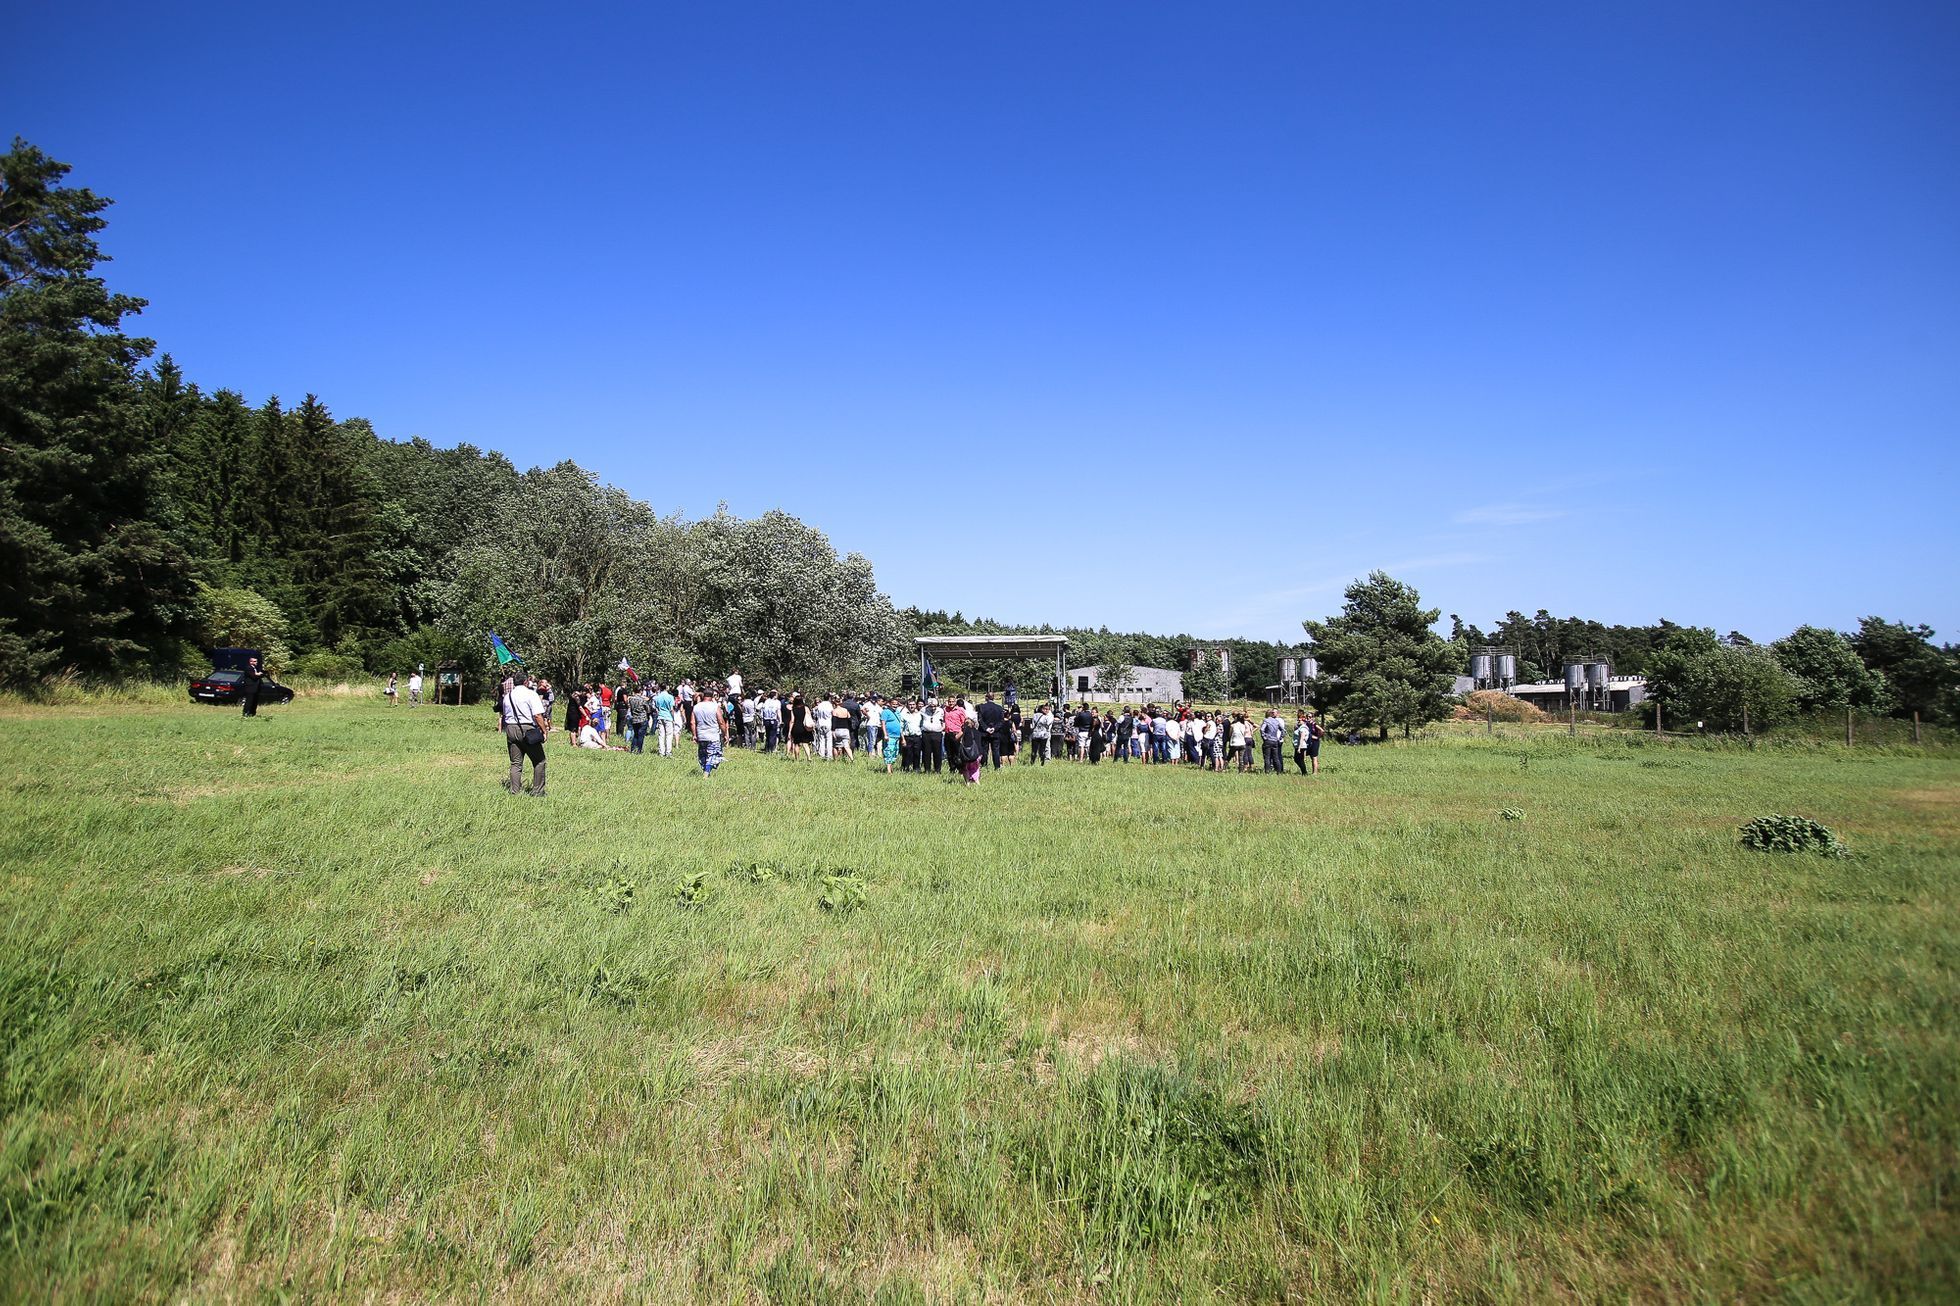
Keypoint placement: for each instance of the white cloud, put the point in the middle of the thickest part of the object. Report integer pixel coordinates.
(1506, 514)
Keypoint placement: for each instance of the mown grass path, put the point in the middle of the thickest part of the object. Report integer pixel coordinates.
(307, 1006)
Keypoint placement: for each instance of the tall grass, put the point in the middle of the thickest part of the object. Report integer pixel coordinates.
(307, 1007)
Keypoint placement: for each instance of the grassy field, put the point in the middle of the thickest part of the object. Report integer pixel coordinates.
(307, 1007)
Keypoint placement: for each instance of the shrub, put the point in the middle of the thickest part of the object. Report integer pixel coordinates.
(1791, 834)
(323, 665)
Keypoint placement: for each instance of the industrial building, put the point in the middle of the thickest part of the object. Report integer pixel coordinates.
(1590, 687)
(1143, 685)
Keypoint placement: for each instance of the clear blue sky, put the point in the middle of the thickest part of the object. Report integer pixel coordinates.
(1624, 311)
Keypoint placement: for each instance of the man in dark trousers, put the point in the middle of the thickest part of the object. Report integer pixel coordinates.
(993, 722)
(248, 686)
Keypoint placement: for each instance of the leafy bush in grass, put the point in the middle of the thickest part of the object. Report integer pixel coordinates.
(1791, 834)
(842, 892)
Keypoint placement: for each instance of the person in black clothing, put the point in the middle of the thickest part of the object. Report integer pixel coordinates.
(1085, 725)
(248, 685)
(993, 722)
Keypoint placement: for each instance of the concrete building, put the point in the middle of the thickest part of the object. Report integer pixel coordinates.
(1622, 693)
(1145, 685)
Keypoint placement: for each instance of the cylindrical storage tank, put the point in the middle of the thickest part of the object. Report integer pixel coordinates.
(1597, 674)
(1309, 668)
(1480, 667)
(1507, 668)
(1575, 677)
(1286, 669)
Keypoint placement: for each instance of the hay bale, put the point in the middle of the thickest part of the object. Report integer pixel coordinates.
(1500, 706)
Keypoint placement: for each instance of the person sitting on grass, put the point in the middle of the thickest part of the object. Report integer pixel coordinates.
(589, 737)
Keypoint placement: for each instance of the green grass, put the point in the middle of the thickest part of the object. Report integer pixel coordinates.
(307, 1007)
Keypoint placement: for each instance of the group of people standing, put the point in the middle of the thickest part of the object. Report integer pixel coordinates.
(909, 734)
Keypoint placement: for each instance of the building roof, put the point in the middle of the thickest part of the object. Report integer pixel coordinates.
(991, 646)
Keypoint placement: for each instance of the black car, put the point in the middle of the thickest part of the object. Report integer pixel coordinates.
(225, 682)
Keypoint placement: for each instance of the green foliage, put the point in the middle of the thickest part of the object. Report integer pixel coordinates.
(1381, 665)
(90, 578)
(1206, 681)
(1923, 677)
(1791, 834)
(693, 892)
(841, 892)
(322, 665)
(1696, 677)
(240, 618)
(616, 896)
(1826, 672)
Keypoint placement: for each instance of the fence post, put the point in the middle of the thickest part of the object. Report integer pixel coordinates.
(1658, 732)
(1490, 718)
(1847, 728)
(1745, 721)
(1915, 726)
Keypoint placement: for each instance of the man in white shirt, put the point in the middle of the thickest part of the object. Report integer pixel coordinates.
(735, 684)
(415, 690)
(820, 718)
(771, 712)
(526, 720)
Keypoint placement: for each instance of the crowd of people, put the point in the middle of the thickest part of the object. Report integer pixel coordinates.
(918, 734)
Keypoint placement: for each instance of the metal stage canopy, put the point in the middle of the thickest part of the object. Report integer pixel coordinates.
(973, 648)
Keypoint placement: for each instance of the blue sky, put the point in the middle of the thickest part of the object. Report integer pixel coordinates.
(1160, 317)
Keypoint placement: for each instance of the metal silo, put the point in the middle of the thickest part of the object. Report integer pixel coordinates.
(1575, 678)
(1597, 676)
(1480, 667)
(1309, 668)
(1287, 668)
(1507, 668)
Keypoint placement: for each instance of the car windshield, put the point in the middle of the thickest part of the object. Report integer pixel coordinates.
(222, 677)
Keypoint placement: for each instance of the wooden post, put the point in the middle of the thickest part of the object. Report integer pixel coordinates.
(1915, 726)
(1490, 718)
(1572, 717)
(1745, 721)
(1658, 733)
(1847, 728)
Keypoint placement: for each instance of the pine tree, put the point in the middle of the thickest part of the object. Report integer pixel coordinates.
(89, 579)
(1380, 663)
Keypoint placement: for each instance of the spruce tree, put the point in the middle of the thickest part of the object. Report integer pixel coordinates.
(88, 577)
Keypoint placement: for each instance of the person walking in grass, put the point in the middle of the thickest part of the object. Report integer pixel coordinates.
(526, 721)
(1314, 734)
(710, 729)
(1272, 734)
(1302, 737)
(392, 692)
(415, 689)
